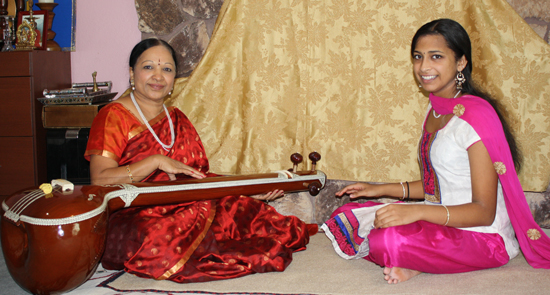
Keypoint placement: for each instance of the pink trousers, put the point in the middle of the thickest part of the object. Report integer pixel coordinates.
(421, 245)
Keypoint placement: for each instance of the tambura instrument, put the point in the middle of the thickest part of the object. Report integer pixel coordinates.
(53, 242)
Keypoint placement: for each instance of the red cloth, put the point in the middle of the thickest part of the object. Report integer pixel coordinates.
(195, 241)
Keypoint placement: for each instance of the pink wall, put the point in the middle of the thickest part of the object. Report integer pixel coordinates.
(106, 32)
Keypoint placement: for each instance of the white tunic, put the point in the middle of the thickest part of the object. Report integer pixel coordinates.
(449, 158)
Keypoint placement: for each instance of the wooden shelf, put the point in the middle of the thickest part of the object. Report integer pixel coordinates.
(23, 77)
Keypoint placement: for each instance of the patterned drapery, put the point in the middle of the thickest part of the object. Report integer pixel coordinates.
(335, 76)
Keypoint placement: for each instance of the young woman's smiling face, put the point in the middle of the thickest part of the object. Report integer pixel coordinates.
(435, 65)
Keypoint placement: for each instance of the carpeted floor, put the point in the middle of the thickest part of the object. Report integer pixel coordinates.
(318, 270)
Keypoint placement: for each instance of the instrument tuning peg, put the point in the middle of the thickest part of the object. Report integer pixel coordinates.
(296, 159)
(314, 157)
(314, 188)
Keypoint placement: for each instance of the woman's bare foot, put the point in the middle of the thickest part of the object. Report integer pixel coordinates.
(395, 275)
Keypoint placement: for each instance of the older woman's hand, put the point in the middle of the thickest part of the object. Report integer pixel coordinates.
(272, 195)
(173, 167)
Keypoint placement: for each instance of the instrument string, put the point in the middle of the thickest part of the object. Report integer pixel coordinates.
(22, 203)
(14, 213)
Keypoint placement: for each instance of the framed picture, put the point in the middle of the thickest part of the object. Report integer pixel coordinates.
(40, 19)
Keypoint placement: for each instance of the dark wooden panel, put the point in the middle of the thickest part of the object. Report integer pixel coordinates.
(70, 116)
(15, 64)
(23, 78)
(50, 70)
(16, 164)
(16, 113)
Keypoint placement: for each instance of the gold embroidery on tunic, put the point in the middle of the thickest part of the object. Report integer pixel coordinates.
(431, 198)
(349, 228)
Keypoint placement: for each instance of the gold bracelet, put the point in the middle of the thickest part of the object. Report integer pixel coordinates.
(448, 215)
(403, 187)
(129, 173)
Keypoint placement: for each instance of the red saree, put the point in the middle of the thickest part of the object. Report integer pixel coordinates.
(195, 241)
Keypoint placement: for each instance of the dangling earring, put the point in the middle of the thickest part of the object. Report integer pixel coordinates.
(419, 85)
(460, 79)
(133, 85)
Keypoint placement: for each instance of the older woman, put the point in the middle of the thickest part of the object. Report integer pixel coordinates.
(137, 138)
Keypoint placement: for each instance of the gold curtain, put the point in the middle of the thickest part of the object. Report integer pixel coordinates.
(335, 76)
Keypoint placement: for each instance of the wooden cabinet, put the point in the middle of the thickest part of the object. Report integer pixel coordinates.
(23, 77)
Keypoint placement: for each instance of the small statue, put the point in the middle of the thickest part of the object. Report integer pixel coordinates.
(26, 34)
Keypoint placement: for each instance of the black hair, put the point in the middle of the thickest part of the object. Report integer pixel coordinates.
(458, 41)
(145, 44)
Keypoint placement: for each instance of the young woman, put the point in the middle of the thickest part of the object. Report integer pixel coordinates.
(473, 200)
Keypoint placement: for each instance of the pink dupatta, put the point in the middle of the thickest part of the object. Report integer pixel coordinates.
(535, 244)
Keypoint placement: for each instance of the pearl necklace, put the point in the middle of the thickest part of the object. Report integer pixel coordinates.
(433, 111)
(164, 146)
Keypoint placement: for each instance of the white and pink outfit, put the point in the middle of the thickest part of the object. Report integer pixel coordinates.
(445, 169)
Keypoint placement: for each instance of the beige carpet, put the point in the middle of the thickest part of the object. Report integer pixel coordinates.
(318, 270)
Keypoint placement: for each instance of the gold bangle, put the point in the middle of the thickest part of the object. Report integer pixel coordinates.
(403, 187)
(448, 215)
(129, 173)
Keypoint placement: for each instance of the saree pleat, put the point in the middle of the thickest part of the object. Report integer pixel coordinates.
(185, 244)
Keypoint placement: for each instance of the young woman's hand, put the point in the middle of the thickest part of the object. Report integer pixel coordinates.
(396, 214)
(359, 189)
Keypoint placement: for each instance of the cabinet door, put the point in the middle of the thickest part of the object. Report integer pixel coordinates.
(16, 116)
(16, 164)
(16, 63)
